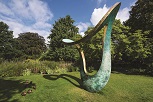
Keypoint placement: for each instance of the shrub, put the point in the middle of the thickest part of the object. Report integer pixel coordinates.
(49, 71)
(11, 68)
(50, 64)
(26, 72)
(8, 69)
(72, 68)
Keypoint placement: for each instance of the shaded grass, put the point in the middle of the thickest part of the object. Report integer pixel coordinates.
(66, 88)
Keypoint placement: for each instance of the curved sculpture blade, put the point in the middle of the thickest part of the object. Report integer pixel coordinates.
(96, 82)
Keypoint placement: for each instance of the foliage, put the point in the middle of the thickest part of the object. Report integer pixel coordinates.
(7, 49)
(26, 72)
(93, 48)
(131, 46)
(11, 68)
(119, 46)
(29, 66)
(127, 48)
(141, 24)
(139, 46)
(120, 42)
(141, 16)
(72, 68)
(63, 28)
(31, 44)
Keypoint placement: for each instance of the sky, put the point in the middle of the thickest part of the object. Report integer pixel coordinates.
(38, 16)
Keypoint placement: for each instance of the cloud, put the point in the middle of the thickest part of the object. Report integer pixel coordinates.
(41, 25)
(99, 2)
(123, 14)
(82, 27)
(26, 16)
(5, 9)
(98, 13)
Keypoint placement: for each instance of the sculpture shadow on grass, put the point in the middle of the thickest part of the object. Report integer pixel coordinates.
(9, 88)
(66, 77)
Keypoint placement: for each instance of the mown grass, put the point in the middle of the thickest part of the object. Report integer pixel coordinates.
(66, 88)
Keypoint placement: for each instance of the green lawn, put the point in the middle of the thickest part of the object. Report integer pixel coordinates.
(66, 88)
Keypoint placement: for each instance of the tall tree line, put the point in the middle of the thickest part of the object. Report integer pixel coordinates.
(27, 45)
(141, 21)
(132, 41)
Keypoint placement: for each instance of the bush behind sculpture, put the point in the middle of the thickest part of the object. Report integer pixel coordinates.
(29, 67)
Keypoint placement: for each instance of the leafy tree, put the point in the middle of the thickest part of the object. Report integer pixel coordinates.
(120, 42)
(141, 24)
(129, 47)
(7, 50)
(31, 44)
(139, 46)
(63, 28)
(125, 45)
(93, 49)
(119, 46)
(141, 16)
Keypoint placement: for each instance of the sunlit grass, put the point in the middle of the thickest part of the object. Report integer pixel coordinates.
(66, 88)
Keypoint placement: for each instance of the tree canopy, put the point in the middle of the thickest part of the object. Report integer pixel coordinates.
(63, 28)
(141, 16)
(31, 44)
(131, 42)
(6, 42)
(141, 28)
(132, 48)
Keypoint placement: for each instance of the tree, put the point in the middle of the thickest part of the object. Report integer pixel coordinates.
(141, 24)
(141, 16)
(7, 50)
(120, 42)
(93, 49)
(63, 28)
(129, 47)
(119, 45)
(139, 46)
(31, 44)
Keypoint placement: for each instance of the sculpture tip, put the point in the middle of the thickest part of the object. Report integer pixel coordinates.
(67, 40)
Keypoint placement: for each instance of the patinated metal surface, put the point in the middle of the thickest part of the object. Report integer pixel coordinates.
(96, 82)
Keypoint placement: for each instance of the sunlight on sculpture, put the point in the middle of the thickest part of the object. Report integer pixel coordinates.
(96, 82)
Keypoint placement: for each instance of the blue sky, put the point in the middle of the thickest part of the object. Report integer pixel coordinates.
(39, 15)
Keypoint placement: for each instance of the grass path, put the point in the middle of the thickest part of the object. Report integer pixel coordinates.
(66, 88)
